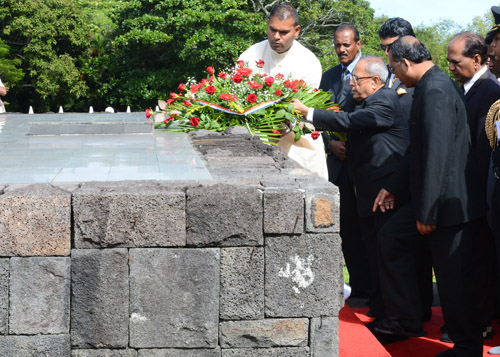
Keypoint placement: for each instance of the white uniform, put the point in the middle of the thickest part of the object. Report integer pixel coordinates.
(2, 107)
(299, 63)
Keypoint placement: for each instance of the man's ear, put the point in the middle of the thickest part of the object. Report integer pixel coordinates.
(297, 31)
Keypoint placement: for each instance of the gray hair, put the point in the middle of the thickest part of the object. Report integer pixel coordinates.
(375, 66)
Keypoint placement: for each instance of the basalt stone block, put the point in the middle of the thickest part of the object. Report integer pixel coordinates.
(242, 283)
(4, 295)
(100, 298)
(303, 275)
(35, 346)
(322, 211)
(283, 211)
(267, 352)
(129, 215)
(216, 352)
(224, 215)
(264, 333)
(104, 353)
(174, 298)
(39, 295)
(45, 213)
(324, 336)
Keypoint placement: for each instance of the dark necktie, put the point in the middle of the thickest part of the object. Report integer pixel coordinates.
(345, 78)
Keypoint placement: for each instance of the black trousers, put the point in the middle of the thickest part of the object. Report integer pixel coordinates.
(405, 269)
(453, 254)
(353, 246)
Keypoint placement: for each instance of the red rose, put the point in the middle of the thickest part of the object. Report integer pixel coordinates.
(204, 81)
(170, 101)
(233, 97)
(295, 89)
(225, 96)
(245, 72)
(259, 63)
(252, 98)
(278, 93)
(335, 108)
(223, 75)
(196, 87)
(187, 103)
(240, 63)
(210, 70)
(269, 81)
(174, 95)
(195, 121)
(255, 85)
(210, 89)
(149, 112)
(277, 132)
(181, 87)
(170, 118)
(315, 135)
(288, 84)
(211, 79)
(237, 78)
(279, 76)
(315, 90)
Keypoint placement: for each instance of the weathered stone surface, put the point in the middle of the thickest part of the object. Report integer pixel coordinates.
(322, 211)
(242, 283)
(283, 211)
(126, 215)
(267, 352)
(216, 352)
(104, 353)
(100, 298)
(174, 298)
(35, 346)
(324, 337)
(264, 333)
(35, 220)
(4, 295)
(224, 215)
(303, 275)
(39, 295)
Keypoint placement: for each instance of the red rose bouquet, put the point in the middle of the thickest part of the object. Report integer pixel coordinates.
(239, 97)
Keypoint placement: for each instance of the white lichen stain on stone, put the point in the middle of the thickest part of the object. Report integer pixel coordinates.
(137, 317)
(302, 274)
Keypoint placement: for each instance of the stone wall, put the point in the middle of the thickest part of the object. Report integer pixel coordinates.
(247, 264)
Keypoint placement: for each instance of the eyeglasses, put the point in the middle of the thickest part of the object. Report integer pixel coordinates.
(355, 79)
(385, 47)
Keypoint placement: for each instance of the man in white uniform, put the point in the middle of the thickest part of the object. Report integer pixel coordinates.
(281, 53)
(3, 91)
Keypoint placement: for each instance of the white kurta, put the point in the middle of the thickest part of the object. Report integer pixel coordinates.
(299, 63)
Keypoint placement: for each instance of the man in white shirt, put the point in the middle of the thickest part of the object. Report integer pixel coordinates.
(282, 54)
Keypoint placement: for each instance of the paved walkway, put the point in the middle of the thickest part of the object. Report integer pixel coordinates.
(81, 158)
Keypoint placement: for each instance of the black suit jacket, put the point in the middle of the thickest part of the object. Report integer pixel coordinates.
(405, 95)
(478, 100)
(331, 81)
(438, 172)
(377, 141)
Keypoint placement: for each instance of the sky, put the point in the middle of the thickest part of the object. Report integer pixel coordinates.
(429, 12)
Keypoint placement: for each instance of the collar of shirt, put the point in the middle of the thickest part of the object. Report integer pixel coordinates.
(468, 85)
(353, 64)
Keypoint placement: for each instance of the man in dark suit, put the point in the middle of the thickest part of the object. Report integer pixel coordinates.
(389, 32)
(467, 54)
(436, 171)
(378, 138)
(336, 80)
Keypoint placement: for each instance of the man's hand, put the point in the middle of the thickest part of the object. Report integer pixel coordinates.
(300, 107)
(425, 228)
(384, 201)
(337, 147)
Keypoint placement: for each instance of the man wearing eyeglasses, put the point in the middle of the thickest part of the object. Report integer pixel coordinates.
(437, 172)
(347, 46)
(378, 138)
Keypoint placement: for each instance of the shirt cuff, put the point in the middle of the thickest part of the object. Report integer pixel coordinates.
(310, 114)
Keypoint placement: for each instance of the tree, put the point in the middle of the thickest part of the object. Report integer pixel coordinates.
(49, 37)
(9, 71)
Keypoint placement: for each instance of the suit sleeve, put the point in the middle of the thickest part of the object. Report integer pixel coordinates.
(377, 113)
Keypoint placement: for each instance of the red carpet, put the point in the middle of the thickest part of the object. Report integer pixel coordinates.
(355, 340)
